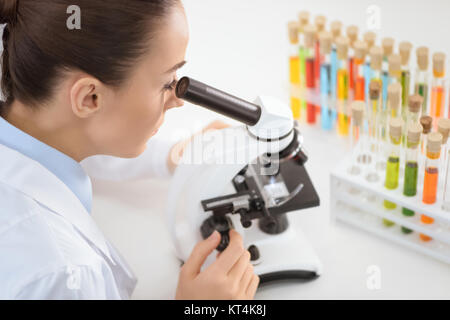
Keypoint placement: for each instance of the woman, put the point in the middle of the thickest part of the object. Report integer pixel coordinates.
(71, 94)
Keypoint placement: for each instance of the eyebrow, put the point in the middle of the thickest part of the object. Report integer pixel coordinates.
(176, 67)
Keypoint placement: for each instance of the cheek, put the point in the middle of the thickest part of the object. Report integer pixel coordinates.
(132, 122)
(148, 114)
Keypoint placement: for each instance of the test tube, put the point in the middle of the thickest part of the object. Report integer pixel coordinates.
(357, 138)
(376, 60)
(421, 77)
(438, 86)
(342, 85)
(414, 107)
(413, 111)
(387, 45)
(411, 166)
(394, 100)
(303, 20)
(310, 39)
(369, 38)
(373, 116)
(382, 131)
(388, 48)
(426, 122)
(325, 39)
(405, 52)
(431, 176)
(352, 34)
(294, 69)
(319, 23)
(446, 193)
(393, 162)
(335, 27)
(395, 69)
(360, 49)
(443, 125)
(373, 111)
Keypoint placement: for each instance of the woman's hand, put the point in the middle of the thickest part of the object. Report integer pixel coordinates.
(230, 276)
(177, 150)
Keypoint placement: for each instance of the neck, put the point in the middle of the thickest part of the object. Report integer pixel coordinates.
(52, 126)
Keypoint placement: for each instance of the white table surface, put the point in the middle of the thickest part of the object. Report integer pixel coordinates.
(244, 43)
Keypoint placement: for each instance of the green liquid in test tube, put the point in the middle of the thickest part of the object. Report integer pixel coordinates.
(393, 162)
(411, 166)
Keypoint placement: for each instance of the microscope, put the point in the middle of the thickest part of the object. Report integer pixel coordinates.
(247, 177)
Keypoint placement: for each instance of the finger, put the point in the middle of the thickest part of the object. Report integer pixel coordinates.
(253, 286)
(200, 252)
(246, 278)
(216, 125)
(237, 271)
(232, 253)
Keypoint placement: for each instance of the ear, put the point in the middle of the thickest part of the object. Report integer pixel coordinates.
(85, 97)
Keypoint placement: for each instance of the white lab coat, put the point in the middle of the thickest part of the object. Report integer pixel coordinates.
(50, 247)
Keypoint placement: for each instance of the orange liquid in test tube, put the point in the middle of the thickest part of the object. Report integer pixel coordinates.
(437, 102)
(429, 191)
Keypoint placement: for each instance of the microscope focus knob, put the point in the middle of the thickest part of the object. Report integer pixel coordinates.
(246, 223)
(254, 252)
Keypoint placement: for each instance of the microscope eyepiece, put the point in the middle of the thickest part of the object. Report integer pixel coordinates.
(218, 101)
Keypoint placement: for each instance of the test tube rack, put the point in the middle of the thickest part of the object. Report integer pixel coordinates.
(359, 202)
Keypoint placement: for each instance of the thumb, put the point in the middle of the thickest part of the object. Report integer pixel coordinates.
(200, 252)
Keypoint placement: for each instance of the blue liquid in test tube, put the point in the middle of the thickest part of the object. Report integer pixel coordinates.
(325, 92)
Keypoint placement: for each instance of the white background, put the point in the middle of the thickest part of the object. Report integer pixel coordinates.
(240, 46)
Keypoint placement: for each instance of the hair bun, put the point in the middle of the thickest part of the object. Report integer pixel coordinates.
(8, 11)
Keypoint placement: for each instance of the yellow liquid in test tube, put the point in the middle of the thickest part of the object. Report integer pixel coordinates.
(294, 76)
(342, 95)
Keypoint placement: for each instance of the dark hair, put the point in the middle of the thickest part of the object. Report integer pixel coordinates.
(39, 47)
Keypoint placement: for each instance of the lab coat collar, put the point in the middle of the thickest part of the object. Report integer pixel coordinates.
(31, 178)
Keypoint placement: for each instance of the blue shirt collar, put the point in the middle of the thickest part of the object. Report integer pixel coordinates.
(65, 168)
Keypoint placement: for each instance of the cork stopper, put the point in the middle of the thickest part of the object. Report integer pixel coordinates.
(413, 133)
(415, 103)
(293, 32)
(438, 63)
(369, 37)
(325, 39)
(388, 46)
(395, 127)
(426, 122)
(434, 141)
(422, 58)
(335, 28)
(320, 22)
(342, 48)
(444, 128)
(352, 34)
(374, 90)
(376, 58)
(358, 112)
(394, 95)
(360, 49)
(405, 52)
(310, 35)
(303, 20)
(394, 61)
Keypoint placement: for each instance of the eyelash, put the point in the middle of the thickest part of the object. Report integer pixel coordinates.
(170, 86)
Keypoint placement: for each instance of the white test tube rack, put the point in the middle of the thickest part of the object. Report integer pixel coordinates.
(358, 202)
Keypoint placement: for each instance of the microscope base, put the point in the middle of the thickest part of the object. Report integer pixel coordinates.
(283, 256)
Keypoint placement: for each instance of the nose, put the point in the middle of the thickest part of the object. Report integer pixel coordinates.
(175, 103)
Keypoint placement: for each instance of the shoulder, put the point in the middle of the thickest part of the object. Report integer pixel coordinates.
(38, 245)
